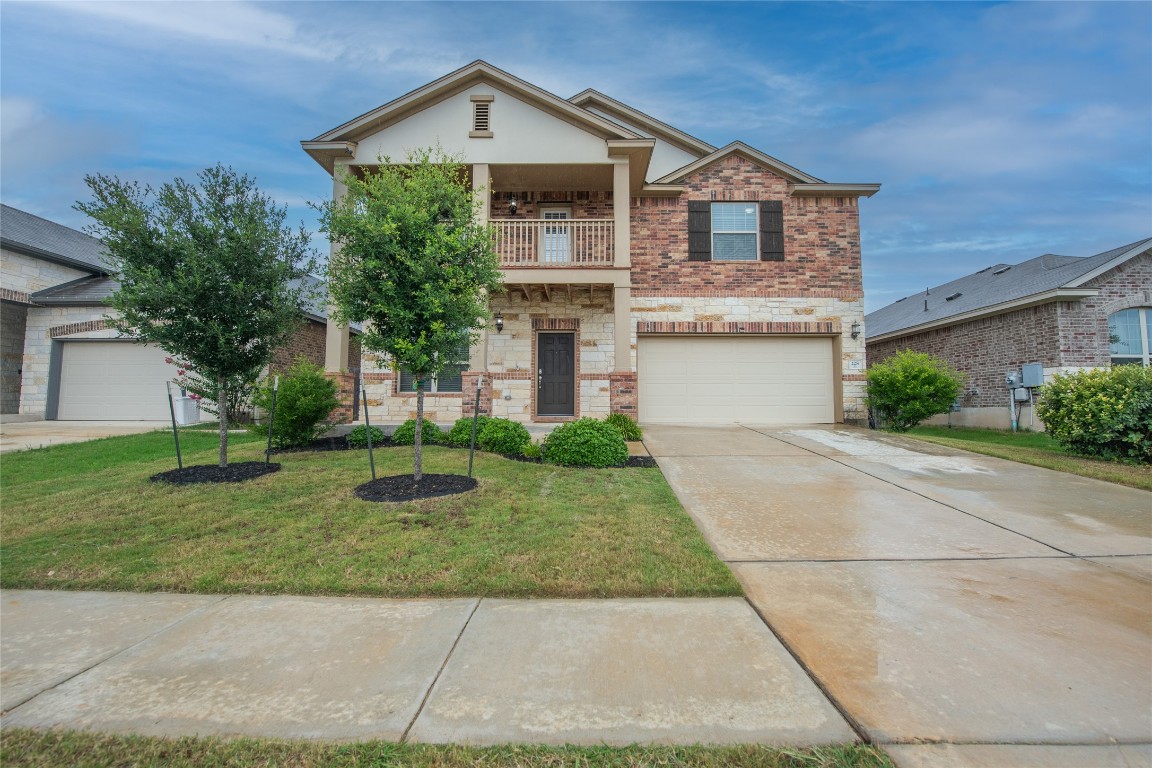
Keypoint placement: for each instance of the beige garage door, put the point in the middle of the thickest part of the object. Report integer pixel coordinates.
(725, 379)
(113, 381)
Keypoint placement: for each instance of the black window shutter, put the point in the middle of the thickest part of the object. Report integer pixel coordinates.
(699, 230)
(771, 230)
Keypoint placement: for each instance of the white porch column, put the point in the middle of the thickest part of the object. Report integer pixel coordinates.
(622, 327)
(478, 355)
(336, 336)
(621, 205)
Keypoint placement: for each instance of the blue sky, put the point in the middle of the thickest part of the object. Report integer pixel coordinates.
(1000, 131)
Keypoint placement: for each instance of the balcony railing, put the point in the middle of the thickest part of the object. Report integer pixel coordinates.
(555, 242)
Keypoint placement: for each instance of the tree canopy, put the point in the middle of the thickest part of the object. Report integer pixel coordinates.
(208, 271)
(412, 263)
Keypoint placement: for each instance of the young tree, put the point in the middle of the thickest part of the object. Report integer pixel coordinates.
(207, 271)
(412, 264)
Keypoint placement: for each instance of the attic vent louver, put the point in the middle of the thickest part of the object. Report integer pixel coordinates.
(983, 270)
(952, 297)
(481, 117)
(1001, 271)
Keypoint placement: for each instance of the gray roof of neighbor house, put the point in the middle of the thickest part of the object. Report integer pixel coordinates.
(91, 291)
(21, 231)
(997, 288)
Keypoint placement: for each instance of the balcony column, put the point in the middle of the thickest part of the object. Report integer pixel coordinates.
(621, 204)
(622, 327)
(478, 354)
(336, 336)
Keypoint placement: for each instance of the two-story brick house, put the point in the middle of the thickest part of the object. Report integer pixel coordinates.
(646, 272)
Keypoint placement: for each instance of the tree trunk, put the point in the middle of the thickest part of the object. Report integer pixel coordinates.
(222, 408)
(418, 469)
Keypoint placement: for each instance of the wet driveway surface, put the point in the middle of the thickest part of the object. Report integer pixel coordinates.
(937, 595)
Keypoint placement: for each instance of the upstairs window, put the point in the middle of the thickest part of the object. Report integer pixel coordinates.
(481, 117)
(734, 229)
(740, 231)
(1131, 336)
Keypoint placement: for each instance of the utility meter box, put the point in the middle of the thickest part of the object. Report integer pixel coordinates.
(1021, 395)
(1033, 375)
(1012, 379)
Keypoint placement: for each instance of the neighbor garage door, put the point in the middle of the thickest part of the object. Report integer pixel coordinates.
(726, 379)
(112, 381)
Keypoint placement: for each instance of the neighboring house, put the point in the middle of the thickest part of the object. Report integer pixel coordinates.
(1063, 312)
(61, 359)
(646, 272)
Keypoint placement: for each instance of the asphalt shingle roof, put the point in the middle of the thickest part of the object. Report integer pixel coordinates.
(990, 286)
(21, 231)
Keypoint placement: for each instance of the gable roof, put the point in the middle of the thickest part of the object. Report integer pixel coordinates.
(93, 290)
(591, 98)
(22, 232)
(998, 288)
(341, 140)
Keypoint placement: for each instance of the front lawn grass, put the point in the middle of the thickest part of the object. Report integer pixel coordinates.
(24, 748)
(1038, 449)
(85, 516)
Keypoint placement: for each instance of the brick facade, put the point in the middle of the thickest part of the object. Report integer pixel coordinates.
(1062, 335)
(821, 239)
(309, 342)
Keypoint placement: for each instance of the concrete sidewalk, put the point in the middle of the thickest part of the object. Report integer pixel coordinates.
(22, 434)
(463, 671)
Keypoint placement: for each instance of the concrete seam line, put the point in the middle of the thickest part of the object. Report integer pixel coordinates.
(97, 662)
(439, 672)
(832, 560)
(923, 496)
(844, 713)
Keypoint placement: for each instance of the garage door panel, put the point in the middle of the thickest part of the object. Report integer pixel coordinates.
(724, 379)
(112, 381)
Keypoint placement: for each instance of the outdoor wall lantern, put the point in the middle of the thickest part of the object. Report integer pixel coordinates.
(499, 322)
(855, 330)
(512, 206)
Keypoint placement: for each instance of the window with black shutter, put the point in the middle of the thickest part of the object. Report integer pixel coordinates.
(771, 230)
(451, 379)
(736, 231)
(699, 230)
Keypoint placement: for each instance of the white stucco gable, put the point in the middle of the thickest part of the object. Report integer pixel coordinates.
(521, 133)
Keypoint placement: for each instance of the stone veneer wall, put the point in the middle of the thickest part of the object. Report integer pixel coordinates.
(28, 274)
(13, 317)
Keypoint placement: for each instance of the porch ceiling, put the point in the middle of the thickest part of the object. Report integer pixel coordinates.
(551, 178)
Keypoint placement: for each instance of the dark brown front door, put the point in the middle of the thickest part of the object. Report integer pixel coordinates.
(556, 374)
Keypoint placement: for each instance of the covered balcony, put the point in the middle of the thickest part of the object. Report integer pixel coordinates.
(555, 242)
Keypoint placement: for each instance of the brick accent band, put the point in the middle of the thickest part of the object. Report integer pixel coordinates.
(821, 328)
(854, 377)
(7, 294)
(71, 328)
(555, 323)
(688, 293)
(372, 378)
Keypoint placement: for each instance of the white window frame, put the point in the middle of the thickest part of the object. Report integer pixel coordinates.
(755, 231)
(556, 246)
(1144, 358)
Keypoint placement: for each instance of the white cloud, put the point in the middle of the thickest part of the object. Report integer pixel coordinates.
(227, 23)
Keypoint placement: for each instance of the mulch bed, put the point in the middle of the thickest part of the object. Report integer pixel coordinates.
(212, 473)
(405, 488)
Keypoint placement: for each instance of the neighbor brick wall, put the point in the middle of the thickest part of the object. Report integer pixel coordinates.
(821, 239)
(1067, 334)
(585, 205)
(984, 348)
(308, 342)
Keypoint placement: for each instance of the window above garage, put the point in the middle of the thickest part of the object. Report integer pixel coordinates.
(736, 231)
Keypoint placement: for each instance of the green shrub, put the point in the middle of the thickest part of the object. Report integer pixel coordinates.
(909, 387)
(358, 437)
(532, 451)
(303, 403)
(405, 434)
(586, 443)
(503, 436)
(1105, 413)
(629, 429)
(461, 433)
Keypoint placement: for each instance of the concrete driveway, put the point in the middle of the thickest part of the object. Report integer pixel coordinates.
(1001, 611)
(21, 435)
